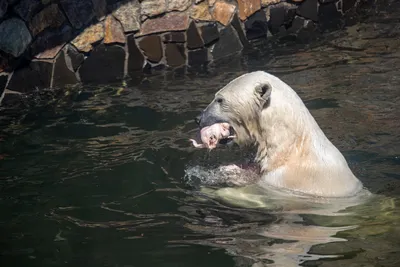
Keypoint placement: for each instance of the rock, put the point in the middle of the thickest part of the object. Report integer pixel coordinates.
(329, 17)
(178, 5)
(348, 4)
(248, 8)
(27, 8)
(151, 8)
(129, 15)
(3, 83)
(276, 18)
(280, 15)
(4, 62)
(308, 9)
(89, 36)
(50, 40)
(113, 32)
(62, 75)
(37, 75)
(100, 8)
(174, 37)
(193, 37)
(197, 57)
(173, 21)
(201, 12)
(256, 26)
(50, 16)
(135, 59)
(50, 53)
(265, 3)
(175, 54)
(228, 43)
(296, 25)
(79, 13)
(3, 8)
(14, 36)
(209, 33)
(211, 2)
(151, 47)
(238, 27)
(223, 12)
(73, 58)
(104, 65)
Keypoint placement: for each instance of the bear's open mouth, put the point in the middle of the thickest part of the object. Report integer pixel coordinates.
(212, 135)
(229, 139)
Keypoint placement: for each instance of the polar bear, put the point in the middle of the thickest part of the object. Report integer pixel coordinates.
(293, 153)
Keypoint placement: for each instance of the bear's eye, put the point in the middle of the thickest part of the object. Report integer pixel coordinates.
(220, 100)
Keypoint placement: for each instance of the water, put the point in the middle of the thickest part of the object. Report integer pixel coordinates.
(96, 176)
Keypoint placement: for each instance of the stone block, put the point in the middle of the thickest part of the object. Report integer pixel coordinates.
(197, 57)
(348, 4)
(51, 40)
(79, 13)
(136, 58)
(49, 17)
(193, 37)
(14, 36)
(151, 47)
(238, 27)
(62, 75)
(265, 3)
(113, 32)
(104, 65)
(100, 8)
(223, 12)
(169, 22)
(308, 9)
(73, 58)
(27, 8)
(128, 13)
(36, 75)
(297, 24)
(209, 33)
(175, 54)
(256, 26)
(89, 36)
(327, 1)
(228, 43)
(248, 8)
(201, 12)
(50, 53)
(3, 82)
(152, 8)
(280, 15)
(3, 8)
(174, 37)
(329, 17)
(178, 5)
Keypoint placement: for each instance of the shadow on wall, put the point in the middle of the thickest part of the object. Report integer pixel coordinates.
(52, 43)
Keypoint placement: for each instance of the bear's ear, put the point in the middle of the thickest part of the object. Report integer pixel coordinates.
(263, 90)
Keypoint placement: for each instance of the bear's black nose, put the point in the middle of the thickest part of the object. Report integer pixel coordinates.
(197, 119)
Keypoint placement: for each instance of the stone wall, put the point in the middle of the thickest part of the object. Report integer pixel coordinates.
(52, 43)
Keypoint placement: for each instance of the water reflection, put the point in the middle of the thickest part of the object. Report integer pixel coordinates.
(95, 176)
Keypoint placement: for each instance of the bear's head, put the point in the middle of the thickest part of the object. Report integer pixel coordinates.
(239, 104)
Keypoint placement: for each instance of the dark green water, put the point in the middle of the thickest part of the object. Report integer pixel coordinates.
(95, 177)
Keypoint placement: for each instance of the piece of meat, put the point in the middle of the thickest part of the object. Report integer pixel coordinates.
(211, 135)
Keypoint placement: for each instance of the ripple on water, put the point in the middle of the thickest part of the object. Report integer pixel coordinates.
(106, 176)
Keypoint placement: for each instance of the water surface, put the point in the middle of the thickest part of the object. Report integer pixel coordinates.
(96, 176)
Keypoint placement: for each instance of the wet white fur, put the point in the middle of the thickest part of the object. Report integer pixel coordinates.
(293, 151)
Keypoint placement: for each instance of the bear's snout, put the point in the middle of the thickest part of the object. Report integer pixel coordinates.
(197, 119)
